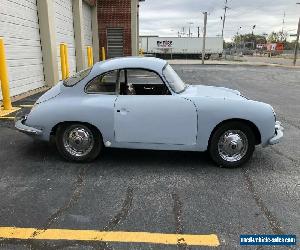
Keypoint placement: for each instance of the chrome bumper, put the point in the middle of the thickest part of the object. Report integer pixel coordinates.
(20, 125)
(278, 134)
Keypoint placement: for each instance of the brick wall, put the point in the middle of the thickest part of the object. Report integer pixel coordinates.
(115, 14)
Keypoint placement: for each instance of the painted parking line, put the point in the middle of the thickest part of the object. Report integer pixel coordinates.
(121, 237)
(26, 106)
(7, 118)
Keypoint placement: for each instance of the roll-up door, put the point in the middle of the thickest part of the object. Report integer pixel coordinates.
(115, 44)
(87, 28)
(64, 27)
(20, 30)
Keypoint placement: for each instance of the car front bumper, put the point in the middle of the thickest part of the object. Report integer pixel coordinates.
(20, 125)
(278, 134)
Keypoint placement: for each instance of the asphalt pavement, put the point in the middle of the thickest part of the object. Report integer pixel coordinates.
(160, 191)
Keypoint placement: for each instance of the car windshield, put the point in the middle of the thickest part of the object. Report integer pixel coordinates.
(176, 84)
(73, 80)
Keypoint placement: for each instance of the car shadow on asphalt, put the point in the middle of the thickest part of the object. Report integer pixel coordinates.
(44, 151)
(156, 159)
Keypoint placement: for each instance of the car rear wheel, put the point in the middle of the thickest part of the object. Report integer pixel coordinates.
(78, 142)
(232, 144)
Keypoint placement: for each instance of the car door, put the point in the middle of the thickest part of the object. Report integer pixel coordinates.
(153, 117)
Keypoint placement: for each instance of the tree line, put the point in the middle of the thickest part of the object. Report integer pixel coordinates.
(250, 38)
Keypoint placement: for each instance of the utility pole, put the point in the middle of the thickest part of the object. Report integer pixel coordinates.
(204, 36)
(283, 23)
(190, 23)
(224, 17)
(198, 31)
(297, 44)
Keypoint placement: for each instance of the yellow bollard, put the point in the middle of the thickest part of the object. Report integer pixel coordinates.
(7, 108)
(67, 61)
(63, 61)
(90, 57)
(141, 52)
(103, 54)
(4, 78)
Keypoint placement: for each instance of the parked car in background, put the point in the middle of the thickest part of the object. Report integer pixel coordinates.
(141, 103)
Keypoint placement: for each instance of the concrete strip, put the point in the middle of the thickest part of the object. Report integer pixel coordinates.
(234, 63)
(7, 112)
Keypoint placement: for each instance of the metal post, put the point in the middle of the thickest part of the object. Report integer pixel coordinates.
(224, 18)
(89, 56)
(92, 56)
(204, 37)
(297, 44)
(4, 78)
(67, 60)
(63, 61)
(103, 54)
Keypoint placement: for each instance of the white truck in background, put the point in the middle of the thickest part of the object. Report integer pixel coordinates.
(181, 47)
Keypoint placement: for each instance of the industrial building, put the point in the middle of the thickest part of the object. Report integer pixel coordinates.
(34, 29)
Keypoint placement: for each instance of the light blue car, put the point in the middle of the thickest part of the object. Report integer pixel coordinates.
(141, 103)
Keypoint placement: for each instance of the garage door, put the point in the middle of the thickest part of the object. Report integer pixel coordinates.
(65, 32)
(20, 30)
(87, 28)
(115, 42)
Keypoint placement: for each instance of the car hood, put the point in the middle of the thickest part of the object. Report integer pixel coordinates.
(211, 91)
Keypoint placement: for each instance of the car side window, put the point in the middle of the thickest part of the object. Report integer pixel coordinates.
(103, 84)
(142, 82)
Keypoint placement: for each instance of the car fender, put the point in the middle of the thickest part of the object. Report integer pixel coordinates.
(86, 109)
(213, 111)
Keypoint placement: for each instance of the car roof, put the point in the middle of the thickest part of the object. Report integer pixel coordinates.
(150, 63)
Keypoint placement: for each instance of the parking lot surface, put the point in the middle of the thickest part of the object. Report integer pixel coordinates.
(160, 191)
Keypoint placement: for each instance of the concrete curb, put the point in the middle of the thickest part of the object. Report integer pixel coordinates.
(27, 94)
(184, 62)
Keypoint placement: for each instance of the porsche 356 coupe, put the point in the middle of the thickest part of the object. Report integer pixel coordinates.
(141, 103)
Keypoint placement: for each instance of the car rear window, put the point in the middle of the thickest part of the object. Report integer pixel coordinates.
(73, 80)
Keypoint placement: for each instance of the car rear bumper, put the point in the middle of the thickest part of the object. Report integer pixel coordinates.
(20, 125)
(278, 134)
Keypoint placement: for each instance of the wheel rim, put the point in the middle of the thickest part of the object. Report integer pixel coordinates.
(78, 141)
(233, 145)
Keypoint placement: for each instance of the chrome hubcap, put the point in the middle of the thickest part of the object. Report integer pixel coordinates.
(233, 145)
(78, 141)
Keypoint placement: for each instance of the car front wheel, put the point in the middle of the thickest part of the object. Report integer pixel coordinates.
(78, 142)
(232, 144)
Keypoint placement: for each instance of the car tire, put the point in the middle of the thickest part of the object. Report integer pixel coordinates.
(78, 142)
(232, 144)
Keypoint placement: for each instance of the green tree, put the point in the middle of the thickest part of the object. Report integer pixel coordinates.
(276, 37)
(249, 38)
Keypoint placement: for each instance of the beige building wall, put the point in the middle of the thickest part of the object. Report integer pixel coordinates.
(48, 41)
(79, 34)
(46, 15)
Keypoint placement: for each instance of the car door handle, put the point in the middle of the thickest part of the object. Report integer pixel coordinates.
(123, 111)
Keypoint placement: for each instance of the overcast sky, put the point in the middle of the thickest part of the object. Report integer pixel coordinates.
(167, 17)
